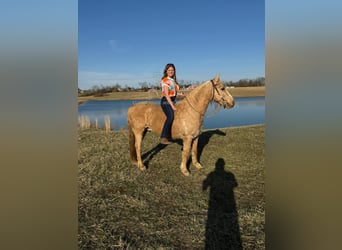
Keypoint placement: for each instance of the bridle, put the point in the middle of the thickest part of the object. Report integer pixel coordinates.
(214, 88)
(212, 98)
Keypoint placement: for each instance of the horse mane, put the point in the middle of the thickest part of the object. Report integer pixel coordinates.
(198, 89)
(195, 98)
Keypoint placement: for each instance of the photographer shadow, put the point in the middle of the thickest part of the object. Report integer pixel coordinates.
(222, 227)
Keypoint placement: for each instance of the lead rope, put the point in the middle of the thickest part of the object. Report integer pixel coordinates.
(186, 98)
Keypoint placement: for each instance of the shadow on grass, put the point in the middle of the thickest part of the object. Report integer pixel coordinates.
(202, 142)
(222, 227)
(204, 138)
(146, 157)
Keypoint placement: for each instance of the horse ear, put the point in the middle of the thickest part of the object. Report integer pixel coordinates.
(217, 78)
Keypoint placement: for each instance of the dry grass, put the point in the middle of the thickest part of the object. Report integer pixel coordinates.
(121, 207)
(136, 95)
(247, 91)
(84, 122)
(107, 123)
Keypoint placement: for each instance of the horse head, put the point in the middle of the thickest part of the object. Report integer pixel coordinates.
(221, 94)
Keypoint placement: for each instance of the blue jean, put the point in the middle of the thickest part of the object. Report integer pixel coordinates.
(166, 132)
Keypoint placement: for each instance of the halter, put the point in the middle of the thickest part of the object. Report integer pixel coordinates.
(212, 82)
(212, 98)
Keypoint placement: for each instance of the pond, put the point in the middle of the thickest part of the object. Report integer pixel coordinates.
(247, 111)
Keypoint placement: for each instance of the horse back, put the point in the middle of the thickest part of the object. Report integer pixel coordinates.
(146, 115)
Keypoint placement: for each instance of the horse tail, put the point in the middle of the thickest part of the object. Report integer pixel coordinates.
(132, 150)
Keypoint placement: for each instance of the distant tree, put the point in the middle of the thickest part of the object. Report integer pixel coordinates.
(260, 81)
(143, 86)
(181, 83)
(126, 88)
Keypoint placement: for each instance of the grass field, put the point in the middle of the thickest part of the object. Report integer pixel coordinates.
(219, 206)
(136, 95)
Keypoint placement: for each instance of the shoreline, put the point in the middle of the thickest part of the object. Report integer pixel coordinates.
(154, 95)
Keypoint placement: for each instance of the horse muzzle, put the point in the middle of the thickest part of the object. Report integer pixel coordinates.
(228, 104)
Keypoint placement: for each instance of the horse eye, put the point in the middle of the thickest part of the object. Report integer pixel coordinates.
(222, 88)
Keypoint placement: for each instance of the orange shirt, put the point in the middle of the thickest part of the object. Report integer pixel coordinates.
(171, 84)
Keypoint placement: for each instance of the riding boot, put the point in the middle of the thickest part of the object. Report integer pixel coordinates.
(165, 141)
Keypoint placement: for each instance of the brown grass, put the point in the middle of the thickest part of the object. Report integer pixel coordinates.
(107, 123)
(121, 207)
(247, 91)
(137, 95)
(84, 122)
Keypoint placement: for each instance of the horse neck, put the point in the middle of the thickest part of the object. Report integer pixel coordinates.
(201, 96)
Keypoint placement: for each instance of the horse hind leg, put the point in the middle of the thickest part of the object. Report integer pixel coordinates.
(135, 139)
(132, 149)
(138, 140)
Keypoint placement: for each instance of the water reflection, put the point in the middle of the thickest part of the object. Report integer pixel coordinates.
(247, 111)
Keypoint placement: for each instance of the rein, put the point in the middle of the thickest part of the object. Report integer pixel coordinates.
(212, 98)
(186, 98)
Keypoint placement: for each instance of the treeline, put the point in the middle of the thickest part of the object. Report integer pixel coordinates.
(260, 81)
(102, 90)
(145, 86)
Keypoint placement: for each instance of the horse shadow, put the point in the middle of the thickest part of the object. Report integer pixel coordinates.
(203, 140)
(147, 157)
(222, 227)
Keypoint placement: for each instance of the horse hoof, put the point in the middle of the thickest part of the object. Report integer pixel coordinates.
(198, 165)
(185, 172)
(142, 168)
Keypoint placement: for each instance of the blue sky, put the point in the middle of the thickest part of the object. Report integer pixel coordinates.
(127, 42)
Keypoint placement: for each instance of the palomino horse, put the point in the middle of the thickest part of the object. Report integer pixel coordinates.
(187, 121)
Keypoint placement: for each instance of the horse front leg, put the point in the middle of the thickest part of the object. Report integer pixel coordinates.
(185, 155)
(194, 154)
